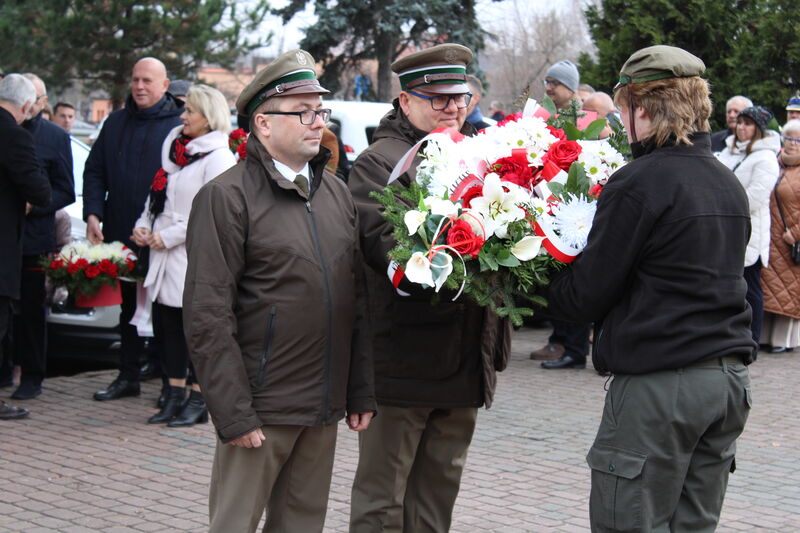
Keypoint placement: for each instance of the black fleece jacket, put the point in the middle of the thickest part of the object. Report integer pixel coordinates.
(662, 272)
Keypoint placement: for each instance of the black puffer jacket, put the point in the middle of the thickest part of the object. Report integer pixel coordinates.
(662, 272)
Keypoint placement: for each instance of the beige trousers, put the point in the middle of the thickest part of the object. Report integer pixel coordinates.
(289, 476)
(409, 469)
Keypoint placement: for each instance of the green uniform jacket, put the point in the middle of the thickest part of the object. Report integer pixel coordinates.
(443, 355)
(272, 306)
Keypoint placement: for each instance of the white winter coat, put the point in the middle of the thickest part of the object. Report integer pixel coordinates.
(757, 173)
(165, 276)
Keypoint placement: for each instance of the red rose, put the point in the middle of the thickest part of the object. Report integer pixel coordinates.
(510, 118)
(463, 240)
(237, 135)
(159, 180)
(557, 133)
(180, 153)
(107, 267)
(473, 192)
(56, 264)
(92, 271)
(563, 154)
(76, 266)
(129, 264)
(241, 150)
(596, 190)
(515, 169)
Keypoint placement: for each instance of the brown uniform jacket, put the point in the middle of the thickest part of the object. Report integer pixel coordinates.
(781, 279)
(442, 355)
(272, 305)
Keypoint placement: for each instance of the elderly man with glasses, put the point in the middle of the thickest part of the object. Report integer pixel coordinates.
(272, 310)
(434, 364)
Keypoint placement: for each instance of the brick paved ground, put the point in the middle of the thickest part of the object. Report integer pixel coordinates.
(77, 465)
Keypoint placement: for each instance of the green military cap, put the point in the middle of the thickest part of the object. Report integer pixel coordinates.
(658, 63)
(441, 69)
(291, 73)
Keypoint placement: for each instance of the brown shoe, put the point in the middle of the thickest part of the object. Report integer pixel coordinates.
(9, 412)
(550, 352)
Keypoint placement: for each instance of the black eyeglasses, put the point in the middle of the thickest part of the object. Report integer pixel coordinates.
(441, 101)
(307, 116)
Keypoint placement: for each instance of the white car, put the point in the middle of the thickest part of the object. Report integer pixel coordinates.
(96, 324)
(357, 122)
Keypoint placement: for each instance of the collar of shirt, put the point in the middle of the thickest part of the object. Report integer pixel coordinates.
(288, 173)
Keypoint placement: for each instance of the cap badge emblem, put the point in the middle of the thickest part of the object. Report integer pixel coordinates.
(301, 58)
(451, 56)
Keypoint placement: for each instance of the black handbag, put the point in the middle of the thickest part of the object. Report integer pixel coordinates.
(794, 249)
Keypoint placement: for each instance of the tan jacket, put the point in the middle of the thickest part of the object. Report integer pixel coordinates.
(272, 305)
(443, 355)
(781, 279)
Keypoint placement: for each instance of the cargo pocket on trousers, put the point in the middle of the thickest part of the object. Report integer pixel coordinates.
(616, 497)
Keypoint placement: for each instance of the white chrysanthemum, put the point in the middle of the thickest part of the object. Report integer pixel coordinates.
(572, 220)
(599, 159)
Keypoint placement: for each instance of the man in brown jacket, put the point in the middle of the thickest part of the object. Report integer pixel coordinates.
(272, 311)
(434, 364)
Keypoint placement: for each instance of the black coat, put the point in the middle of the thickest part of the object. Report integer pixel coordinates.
(122, 163)
(54, 153)
(21, 180)
(662, 270)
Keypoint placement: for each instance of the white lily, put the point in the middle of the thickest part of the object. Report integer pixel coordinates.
(440, 206)
(418, 269)
(527, 247)
(442, 271)
(498, 207)
(414, 219)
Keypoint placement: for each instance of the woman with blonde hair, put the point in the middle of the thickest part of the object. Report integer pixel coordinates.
(193, 154)
(782, 277)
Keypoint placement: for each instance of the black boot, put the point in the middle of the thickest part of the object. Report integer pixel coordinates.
(162, 396)
(175, 398)
(194, 412)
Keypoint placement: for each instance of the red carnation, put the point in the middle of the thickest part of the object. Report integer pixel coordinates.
(510, 118)
(159, 180)
(563, 154)
(557, 133)
(236, 135)
(596, 190)
(242, 150)
(473, 192)
(56, 264)
(77, 265)
(463, 240)
(130, 264)
(92, 271)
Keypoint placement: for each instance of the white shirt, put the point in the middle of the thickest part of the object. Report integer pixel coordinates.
(290, 174)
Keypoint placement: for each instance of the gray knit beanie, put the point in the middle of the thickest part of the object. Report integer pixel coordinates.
(566, 73)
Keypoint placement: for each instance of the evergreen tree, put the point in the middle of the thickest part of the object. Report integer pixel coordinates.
(99, 41)
(349, 31)
(750, 47)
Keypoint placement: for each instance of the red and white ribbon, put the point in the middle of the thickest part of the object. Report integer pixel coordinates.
(404, 164)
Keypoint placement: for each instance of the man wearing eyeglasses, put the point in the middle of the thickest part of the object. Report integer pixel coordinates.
(434, 364)
(273, 310)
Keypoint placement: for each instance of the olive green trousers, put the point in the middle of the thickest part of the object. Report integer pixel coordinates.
(666, 444)
(409, 469)
(289, 476)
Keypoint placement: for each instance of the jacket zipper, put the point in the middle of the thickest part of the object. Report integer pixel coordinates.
(262, 368)
(328, 307)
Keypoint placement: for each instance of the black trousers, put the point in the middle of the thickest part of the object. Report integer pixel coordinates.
(755, 297)
(175, 354)
(574, 336)
(6, 366)
(132, 343)
(30, 327)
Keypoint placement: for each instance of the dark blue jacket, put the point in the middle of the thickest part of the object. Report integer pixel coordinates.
(54, 152)
(21, 180)
(122, 163)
